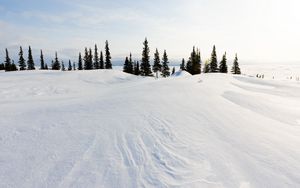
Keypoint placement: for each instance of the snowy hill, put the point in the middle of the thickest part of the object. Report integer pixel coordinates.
(110, 129)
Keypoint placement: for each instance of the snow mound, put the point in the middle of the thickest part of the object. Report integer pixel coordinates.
(106, 128)
(181, 73)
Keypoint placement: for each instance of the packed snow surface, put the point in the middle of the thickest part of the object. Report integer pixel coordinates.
(110, 129)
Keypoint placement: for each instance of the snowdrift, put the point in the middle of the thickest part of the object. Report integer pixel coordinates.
(181, 73)
(110, 129)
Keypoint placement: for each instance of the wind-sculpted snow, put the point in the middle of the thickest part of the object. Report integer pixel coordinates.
(110, 129)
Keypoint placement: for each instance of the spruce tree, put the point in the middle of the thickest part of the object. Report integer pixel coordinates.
(193, 65)
(182, 65)
(22, 63)
(235, 68)
(126, 65)
(137, 68)
(214, 61)
(80, 62)
(145, 67)
(90, 59)
(62, 66)
(192, 58)
(2, 66)
(30, 62)
(197, 63)
(56, 63)
(131, 67)
(223, 64)
(101, 61)
(96, 58)
(70, 66)
(87, 59)
(42, 61)
(165, 70)
(108, 64)
(7, 62)
(157, 64)
(173, 70)
(13, 66)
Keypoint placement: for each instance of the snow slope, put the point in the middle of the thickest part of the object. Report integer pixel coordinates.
(273, 71)
(110, 129)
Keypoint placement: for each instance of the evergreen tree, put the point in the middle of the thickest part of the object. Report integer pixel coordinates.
(80, 62)
(96, 58)
(165, 71)
(2, 66)
(70, 66)
(13, 66)
(137, 68)
(214, 61)
(30, 62)
(191, 61)
(145, 65)
(101, 62)
(42, 60)
(46, 66)
(108, 64)
(223, 64)
(55, 63)
(235, 68)
(90, 59)
(173, 70)
(197, 63)
(22, 63)
(131, 67)
(193, 65)
(189, 67)
(126, 66)
(157, 64)
(87, 60)
(7, 62)
(62, 66)
(182, 65)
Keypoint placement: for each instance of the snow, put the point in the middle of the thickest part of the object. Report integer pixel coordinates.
(181, 73)
(273, 71)
(111, 129)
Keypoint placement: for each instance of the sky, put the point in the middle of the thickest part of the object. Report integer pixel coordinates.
(259, 31)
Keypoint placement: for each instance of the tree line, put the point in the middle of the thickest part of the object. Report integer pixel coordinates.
(193, 65)
(93, 59)
(90, 60)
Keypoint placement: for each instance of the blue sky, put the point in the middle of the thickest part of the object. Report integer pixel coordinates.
(259, 31)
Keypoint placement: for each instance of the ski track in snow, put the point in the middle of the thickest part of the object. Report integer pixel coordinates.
(110, 129)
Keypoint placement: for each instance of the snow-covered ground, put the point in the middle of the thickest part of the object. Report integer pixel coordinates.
(110, 129)
(273, 71)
